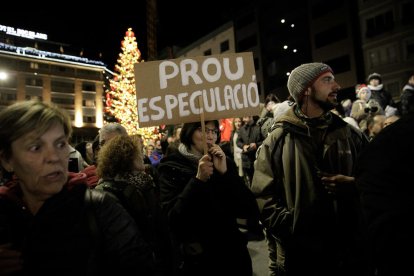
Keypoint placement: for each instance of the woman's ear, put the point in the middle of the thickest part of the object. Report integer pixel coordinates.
(5, 163)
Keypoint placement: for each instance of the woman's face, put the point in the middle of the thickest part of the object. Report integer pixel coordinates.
(211, 137)
(237, 123)
(41, 163)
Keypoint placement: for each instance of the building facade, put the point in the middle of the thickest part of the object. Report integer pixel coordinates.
(356, 38)
(387, 36)
(39, 69)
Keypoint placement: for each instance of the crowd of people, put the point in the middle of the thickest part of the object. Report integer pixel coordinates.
(373, 109)
(321, 181)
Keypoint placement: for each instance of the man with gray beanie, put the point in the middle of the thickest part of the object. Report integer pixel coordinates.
(304, 182)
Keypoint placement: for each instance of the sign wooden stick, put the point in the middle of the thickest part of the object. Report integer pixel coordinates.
(203, 125)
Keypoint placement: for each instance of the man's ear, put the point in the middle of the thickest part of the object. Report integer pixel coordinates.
(307, 91)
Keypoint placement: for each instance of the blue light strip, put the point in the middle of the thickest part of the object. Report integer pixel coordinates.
(32, 52)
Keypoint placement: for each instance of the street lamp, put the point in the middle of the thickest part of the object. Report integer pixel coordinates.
(3, 75)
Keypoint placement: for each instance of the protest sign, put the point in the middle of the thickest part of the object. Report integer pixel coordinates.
(169, 91)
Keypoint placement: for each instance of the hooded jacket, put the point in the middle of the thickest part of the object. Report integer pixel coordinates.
(294, 205)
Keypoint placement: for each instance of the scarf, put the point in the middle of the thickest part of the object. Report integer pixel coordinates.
(190, 156)
(321, 121)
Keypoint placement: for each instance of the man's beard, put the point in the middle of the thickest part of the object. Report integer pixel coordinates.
(326, 105)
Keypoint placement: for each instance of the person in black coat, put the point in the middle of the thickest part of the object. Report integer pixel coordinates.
(203, 196)
(249, 140)
(407, 97)
(384, 177)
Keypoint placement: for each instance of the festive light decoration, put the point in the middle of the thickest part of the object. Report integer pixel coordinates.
(120, 98)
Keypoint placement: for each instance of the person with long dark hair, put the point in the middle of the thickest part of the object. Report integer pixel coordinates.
(203, 196)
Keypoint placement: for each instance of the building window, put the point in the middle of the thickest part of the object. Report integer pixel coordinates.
(340, 64)
(391, 55)
(407, 13)
(374, 60)
(62, 70)
(89, 119)
(11, 97)
(88, 74)
(7, 97)
(325, 7)
(207, 52)
(379, 24)
(63, 101)
(34, 82)
(224, 46)
(409, 50)
(31, 97)
(89, 103)
(330, 36)
(88, 86)
(63, 86)
(385, 55)
(34, 65)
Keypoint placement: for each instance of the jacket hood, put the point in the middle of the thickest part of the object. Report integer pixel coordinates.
(294, 118)
(290, 117)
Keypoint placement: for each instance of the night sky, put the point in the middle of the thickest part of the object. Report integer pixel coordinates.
(101, 29)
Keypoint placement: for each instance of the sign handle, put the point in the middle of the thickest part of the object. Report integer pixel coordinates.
(203, 125)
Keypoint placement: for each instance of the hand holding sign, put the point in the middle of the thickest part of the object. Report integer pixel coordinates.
(218, 157)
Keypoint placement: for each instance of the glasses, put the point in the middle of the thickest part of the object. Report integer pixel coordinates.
(213, 131)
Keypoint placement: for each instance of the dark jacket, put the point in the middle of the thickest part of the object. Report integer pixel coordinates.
(407, 99)
(382, 96)
(63, 239)
(249, 133)
(136, 191)
(316, 231)
(384, 177)
(202, 217)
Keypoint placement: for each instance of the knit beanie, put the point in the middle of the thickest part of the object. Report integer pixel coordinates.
(374, 76)
(304, 76)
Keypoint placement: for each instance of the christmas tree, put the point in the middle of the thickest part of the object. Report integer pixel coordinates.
(121, 100)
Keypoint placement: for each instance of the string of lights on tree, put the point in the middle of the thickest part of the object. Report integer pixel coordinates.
(121, 101)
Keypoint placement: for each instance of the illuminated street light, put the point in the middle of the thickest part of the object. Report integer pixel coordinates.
(3, 75)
